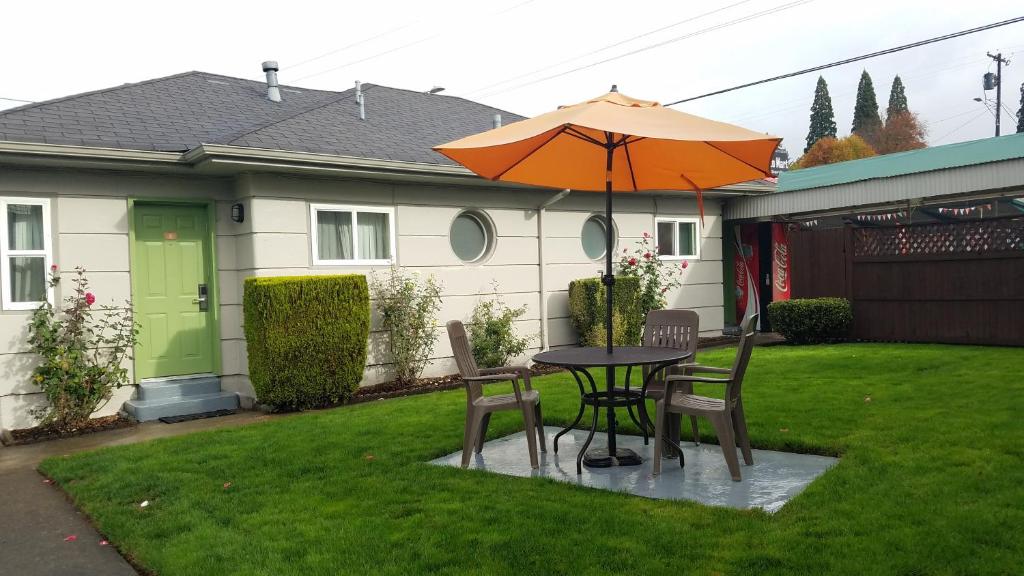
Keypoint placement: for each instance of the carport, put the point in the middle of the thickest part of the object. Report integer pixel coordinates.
(928, 245)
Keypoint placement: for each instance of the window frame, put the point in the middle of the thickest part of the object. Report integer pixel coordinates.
(354, 210)
(676, 220)
(6, 253)
(604, 248)
(490, 235)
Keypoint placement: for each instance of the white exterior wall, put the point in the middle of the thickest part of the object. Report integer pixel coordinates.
(89, 228)
(89, 217)
(275, 241)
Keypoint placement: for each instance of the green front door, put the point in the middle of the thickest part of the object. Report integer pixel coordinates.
(170, 269)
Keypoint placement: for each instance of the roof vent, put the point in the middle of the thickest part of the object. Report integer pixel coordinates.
(360, 100)
(273, 92)
(497, 120)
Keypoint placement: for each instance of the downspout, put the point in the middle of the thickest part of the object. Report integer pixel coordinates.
(542, 265)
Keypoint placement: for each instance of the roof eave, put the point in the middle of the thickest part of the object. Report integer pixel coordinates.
(226, 160)
(66, 156)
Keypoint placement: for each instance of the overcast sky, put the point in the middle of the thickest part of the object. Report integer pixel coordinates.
(520, 55)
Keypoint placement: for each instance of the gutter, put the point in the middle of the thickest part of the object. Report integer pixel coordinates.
(543, 265)
(225, 160)
(38, 153)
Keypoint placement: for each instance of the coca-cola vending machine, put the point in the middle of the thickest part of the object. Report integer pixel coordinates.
(761, 269)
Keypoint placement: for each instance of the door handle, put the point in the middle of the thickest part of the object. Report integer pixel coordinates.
(202, 300)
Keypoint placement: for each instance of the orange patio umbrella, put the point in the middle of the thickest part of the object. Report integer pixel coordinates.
(614, 143)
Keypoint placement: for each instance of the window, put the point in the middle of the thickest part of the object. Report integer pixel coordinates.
(25, 252)
(593, 237)
(677, 238)
(471, 236)
(345, 235)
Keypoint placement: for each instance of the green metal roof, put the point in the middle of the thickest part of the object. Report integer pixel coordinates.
(902, 163)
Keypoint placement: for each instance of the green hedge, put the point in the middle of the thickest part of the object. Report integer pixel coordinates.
(587, 310)
(811, 320)
(307, 338)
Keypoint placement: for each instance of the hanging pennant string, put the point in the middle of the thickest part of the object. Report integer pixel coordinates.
(888, 216)
(980, 208)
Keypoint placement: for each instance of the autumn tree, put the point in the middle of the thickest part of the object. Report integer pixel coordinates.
(897, 98)
(830, 150)
(866, 122)
(823, 120)
(902, 131)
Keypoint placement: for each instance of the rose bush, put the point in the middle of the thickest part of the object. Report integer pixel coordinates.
(656, 276)
(81, 354)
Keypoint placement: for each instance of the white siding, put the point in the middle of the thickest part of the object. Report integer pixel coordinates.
(90, 229)
(278, 244)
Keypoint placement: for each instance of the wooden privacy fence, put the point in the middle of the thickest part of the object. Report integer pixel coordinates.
(960, 282)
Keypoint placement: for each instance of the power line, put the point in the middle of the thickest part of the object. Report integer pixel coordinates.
(956, 129)
(854, 59)
(740, 20)
(352, 45)
(17, 100)
(802, 102)
(400, 47)
(604, 48)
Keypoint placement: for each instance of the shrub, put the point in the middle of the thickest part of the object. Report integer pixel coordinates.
(587, 311)
(408, 309)
(492, 332)
(307, 338)
(656, 277)
(811, 320)
(82, 358)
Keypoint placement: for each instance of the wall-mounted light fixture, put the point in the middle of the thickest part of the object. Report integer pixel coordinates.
(238, 212)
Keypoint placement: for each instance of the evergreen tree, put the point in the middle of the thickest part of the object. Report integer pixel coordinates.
(823, 120)
(1020, 113)
(866, 122)
(897, 98)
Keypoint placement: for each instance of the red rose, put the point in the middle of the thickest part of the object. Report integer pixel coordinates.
(685, 264)
(89, 299)
(53, 267)
(663, 290)
(646, 235)
(632, 261)
(647, 255)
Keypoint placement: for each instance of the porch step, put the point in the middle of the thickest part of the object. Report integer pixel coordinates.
(168, 388)
(159, 398)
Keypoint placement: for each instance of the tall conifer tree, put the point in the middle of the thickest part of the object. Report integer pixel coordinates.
(823, 120)
(866, 122)
(1020, 113)
(897, 98)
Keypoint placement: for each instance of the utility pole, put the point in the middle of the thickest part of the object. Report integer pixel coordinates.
(998, 83)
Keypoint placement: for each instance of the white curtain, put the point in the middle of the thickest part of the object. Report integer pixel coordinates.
(25, 232)
(334, 235)
(374, 236)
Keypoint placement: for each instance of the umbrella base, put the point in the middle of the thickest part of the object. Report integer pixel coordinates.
(600, 458)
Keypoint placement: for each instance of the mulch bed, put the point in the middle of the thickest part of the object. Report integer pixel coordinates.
(423, 386)
(43, 433)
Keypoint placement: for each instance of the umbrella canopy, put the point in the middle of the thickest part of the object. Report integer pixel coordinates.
(655, 148)
(617, 143)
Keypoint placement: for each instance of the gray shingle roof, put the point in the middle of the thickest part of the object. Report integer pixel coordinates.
(177, 113)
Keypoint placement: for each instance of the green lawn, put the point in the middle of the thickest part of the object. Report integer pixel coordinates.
(931, 481)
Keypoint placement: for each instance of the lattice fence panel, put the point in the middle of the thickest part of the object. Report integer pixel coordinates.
(975, 237)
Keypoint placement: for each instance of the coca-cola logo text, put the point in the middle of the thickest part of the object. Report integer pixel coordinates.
(781, 267)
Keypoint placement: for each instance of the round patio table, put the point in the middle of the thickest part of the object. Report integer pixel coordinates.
(577, 361)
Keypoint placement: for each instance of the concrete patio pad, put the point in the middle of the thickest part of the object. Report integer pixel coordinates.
(773, 480)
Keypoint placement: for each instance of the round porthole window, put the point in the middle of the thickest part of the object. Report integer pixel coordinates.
(471, 236)
(593, 237)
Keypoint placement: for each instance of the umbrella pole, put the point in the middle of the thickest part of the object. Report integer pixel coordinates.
(609, 301)
(609, 278)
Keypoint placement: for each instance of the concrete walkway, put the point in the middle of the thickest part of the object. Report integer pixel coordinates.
(36, 519)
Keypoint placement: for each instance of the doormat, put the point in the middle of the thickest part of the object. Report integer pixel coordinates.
(199, 416)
